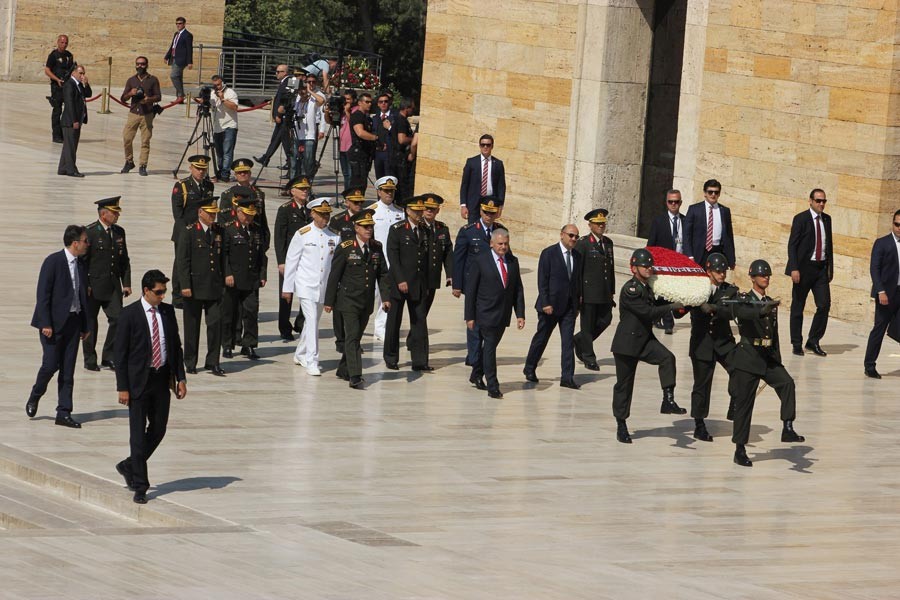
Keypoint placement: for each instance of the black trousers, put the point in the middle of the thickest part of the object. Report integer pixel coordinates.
(279, 136)
(56, 101)
(67, 164)
(703, 378)
(883, 317)
(360, 167)
(418, 331)
(701, 260)
(59, 354)
(148, 416)
(545, 326)
(653, 353)
(400, 170)
(111, 308)
(743, 386)
(595, 318)
(240, 318)
(383, 165)
(284, 313)
(353, 325)
(192, 311)
(485, 361)
(813, 277)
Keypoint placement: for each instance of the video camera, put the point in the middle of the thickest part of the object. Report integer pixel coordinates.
(206, 96)
(335, 105)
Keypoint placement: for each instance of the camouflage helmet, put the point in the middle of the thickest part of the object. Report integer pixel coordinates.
(716, 262)
(641, 258)
(759, 267)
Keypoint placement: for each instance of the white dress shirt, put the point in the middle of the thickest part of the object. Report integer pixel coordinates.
(677, 239)
(566, 251)
(897, 247)
(73, 273)
(490, 185)
(717, 222)
(497, 259)
(820, 224)
(162, 331)
(308, 262)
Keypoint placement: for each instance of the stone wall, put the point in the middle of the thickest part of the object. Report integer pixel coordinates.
(122, 29)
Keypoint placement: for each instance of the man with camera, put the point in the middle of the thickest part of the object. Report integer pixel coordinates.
(279, 134)
(142, 89)
(306, 112)
(60, 64)
(224, 105)
(362, 148)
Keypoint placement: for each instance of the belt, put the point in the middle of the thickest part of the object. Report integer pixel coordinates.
(761, 342)
(162, 369)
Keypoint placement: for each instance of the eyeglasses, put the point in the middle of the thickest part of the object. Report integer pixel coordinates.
(366, 101)
(713, 192)
(485, 145)
(159, 293)
(382, 102)
(820, 200)
(572, 235)
(673, 201)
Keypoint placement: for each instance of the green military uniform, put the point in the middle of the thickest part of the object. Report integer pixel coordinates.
(108, 271)
(228, 208)
(597, 279)
(200, 267)
(245, 260)
(188, 195)
(342, 224)
(440, 251)
(350, 291)
(291, 216)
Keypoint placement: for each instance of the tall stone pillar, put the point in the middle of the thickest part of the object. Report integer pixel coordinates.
(608, 112)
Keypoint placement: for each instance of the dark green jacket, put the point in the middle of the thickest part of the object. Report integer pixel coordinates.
(187, 197)
(107, 263)
(597, 273)
(351, 283)
(637, 313)
(245, 255)
(200, 261)
(711, 335)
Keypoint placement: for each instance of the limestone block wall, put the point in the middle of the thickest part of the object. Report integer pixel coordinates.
(122, 29)
(505, 68)
(795, 95)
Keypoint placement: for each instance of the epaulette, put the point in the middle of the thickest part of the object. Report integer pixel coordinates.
(347, 244)
(631, 289)
(470, 225)
(230, 223)
(95, 223)
(303, 230)
(439, 224)
(399, 224)
(287, 204)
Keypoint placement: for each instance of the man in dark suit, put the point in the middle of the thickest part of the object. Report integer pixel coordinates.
(180, 55)
(707, 227)
(279, 133)
(74, 117)
(884, 269)
(149, 362)
(493, 291)
(557, 304)
(60, 314)
(810, 264)
(482, 176)
(667, 231)
(382, 123)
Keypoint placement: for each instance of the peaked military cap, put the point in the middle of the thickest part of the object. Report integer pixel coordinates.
(354, 194)
(241, 165)
(320, 205)
(490, 204)
(200, 161)
(388, 182)
(598, 215)
(364, 217)
(432, 200)
(211, 205)
(109, 204)
(246, 205)
(300, 182)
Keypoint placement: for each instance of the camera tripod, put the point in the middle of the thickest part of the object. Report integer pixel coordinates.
(333, 135)
(205, 126)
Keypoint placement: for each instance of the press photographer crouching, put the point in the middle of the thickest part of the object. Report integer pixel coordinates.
(224, 105)
(142, 89)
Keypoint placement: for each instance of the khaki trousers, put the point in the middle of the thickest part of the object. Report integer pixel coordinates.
(145, 124)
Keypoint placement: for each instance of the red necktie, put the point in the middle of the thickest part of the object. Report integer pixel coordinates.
(818, 240)
(383, 116)
(484, 177)
(709, 230)
(154, 331)
(503, 274)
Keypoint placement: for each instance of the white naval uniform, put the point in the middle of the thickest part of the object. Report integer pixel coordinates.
(306, 269)
(385, 216)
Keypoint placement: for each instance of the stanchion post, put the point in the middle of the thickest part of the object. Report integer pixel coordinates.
(187, 105)
(104, 100)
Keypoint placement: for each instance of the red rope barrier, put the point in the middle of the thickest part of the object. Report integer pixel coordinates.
(173, 103)
(119, 101)
(257, 107)
(94, 98)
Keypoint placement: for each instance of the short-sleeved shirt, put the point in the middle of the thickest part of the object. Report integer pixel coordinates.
(361, 118)
(61, 63)
(401, 125)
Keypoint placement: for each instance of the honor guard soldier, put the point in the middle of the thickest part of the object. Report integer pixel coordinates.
(408, 254)
(758, 356)
(109, 279)
(200, 262)
(387, 213)
(471, 241)
(306, 271)
(358, 264)
(188, 195)
(597, 280)
(292, 215)
(440, 250)
(711, 340)
(243, 169)
(634, 342)
(342, 222)
(245, 273)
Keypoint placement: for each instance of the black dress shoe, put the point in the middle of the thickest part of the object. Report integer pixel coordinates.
(142, 170)
(700, 432)
(126, 475)
(816, 349)
(140, 497)
(245, 351)
(76, 174)
(251, 354)
(288, 337)
(798, 350)
(495, 394)
(478, 383)
(591, 366)
(216, 370)
(569, 384)
(68, 421)
(191, 370)
(357, 382)
(669, 331)
(31, 408)
(622, 432)
(128, 167)
(392, 366)
(108, 364)
(789, 435)
(531, 375)
(871, 372)
(227, 353)
(740, 456)
(423, 368)
(91, 368)
(57, 140)
(263, 160)
(343, 376)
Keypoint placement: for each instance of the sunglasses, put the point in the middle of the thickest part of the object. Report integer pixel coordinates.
(485, 145)
(160, 293)
(820, 200)
(673, 201)
(896, 224)
(572, 235)
(382, 102)
(713, 192)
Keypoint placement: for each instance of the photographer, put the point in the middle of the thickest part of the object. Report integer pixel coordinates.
(306, 112)
(279, 133)
(142, 89)
(362, 148)
(224, 105)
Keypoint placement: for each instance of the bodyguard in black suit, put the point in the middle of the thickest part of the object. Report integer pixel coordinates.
(475, 185)
(699, 239)
(493, 291)
(109, 279)
(149, 362)
(597, 285)
(884, 269)
(279, 133)
(667, 231)
(60, 314)
(557, 303)
(74, 117)
(810, 265)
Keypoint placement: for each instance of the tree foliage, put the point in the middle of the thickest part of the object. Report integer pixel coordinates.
(395, 29)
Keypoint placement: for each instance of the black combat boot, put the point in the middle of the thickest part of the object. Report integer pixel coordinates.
(669, 407)
(740, 456)
(622, 432)
(700, 431)
(789, 435)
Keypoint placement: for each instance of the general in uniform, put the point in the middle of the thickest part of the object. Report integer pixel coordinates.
(306, 271)
(358, 264)
(291, 216)
(243, 169)
(109, 280)
(634, 342)
(188, 195)
(342, 224)
(597, 281)
(440, 248)
(200, 263)
(758, 356)
(387, 213)
(245, 273)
